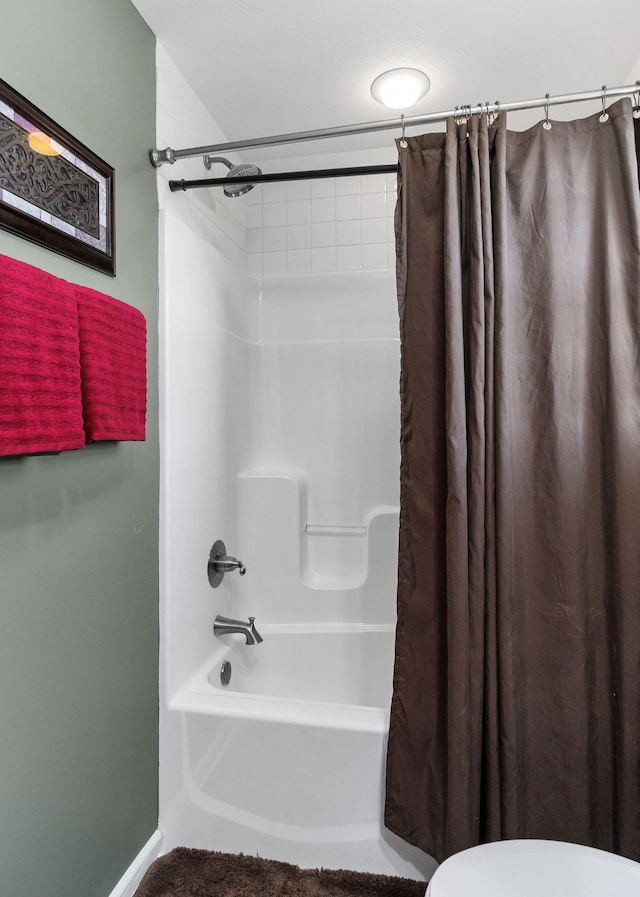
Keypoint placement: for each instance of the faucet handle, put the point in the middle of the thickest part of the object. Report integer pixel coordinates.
(220, 563)
(258, 638)
(226, 564)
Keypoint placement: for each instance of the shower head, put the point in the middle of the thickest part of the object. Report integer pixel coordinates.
(241, 171)
(235, 171)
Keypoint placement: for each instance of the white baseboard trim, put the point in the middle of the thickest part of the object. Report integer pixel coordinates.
(127, 885)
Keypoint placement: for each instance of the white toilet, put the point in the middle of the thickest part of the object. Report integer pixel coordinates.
(531, 868)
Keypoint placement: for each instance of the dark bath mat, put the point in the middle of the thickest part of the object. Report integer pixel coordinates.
(202, 873)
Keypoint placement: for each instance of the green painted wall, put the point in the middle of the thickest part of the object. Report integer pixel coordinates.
(79, 531)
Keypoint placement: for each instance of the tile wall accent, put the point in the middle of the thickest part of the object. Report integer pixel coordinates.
(313, 227)
(300, 227)
(182, 121)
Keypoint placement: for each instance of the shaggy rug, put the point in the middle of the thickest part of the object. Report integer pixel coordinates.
(201, 873)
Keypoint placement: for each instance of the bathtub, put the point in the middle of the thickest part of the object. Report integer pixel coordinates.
(287, 760)
(301, 482)
(322, 676)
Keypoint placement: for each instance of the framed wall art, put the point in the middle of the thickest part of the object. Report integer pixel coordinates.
(53, 190)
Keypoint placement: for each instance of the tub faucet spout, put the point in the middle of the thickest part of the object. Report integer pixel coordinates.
(224, 625)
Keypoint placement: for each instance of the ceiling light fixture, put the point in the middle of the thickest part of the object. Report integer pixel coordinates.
(400, 88)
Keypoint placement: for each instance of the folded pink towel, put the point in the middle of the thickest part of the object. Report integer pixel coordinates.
(113, 341)
(40, 402)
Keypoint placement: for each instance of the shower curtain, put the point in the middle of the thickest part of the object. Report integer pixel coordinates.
(516, 706)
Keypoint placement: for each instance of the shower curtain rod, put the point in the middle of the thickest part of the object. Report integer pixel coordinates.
(314, 174)
(159, 157)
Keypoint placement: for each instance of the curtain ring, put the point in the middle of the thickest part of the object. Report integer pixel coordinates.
(636, 101)
(496, 112)
(403, 142)
(546, 124)
(605, 115)
(460, 115)
(491, 116)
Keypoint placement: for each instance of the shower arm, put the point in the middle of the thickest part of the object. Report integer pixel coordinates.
(212, 160)
(160, 157)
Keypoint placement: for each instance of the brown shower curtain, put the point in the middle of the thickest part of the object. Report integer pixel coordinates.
(516, 707)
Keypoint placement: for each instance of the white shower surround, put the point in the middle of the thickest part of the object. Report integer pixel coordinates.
(279, 434)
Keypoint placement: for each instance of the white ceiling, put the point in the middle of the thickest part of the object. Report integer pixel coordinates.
(266, 67)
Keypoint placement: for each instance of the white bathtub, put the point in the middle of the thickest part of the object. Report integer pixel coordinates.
(287, 761)
(345, 667)
(316, 675)
(301, 482)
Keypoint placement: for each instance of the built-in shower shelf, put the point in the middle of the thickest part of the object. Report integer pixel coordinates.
(329, 582)
(293, 549)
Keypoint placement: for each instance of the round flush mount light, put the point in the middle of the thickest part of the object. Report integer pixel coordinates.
(400, 88)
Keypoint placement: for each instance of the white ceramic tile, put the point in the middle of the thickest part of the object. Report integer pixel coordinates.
(181, 94)
(233, 207)
(347, 207)
(323, 208)
(299, 236)
(373, 183)
(274, 192)
(164, 126)
(299, 211)
(297, 190)
(374, 255)
(296, 227)
(274, 263)
(253, 216)
(274, 214)
(348, 233)
(254, 196)
(165, 73)
(217, 219)
(391, 230)
(181, 139)
(374, 230)
(323, 260)
(347, 186)
(254, 264)
(254, 239)
(205, 200)
(323, 233)
(299, 261)
(239, 257)
(348, 258)
(391, 255)
(374, 205)
(323, 187)
(235, 231)
(274, 239)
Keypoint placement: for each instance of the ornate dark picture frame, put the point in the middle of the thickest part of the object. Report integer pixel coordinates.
(54, 190)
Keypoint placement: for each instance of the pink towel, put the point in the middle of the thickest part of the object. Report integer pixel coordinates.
(113, 340)
(40, 402)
